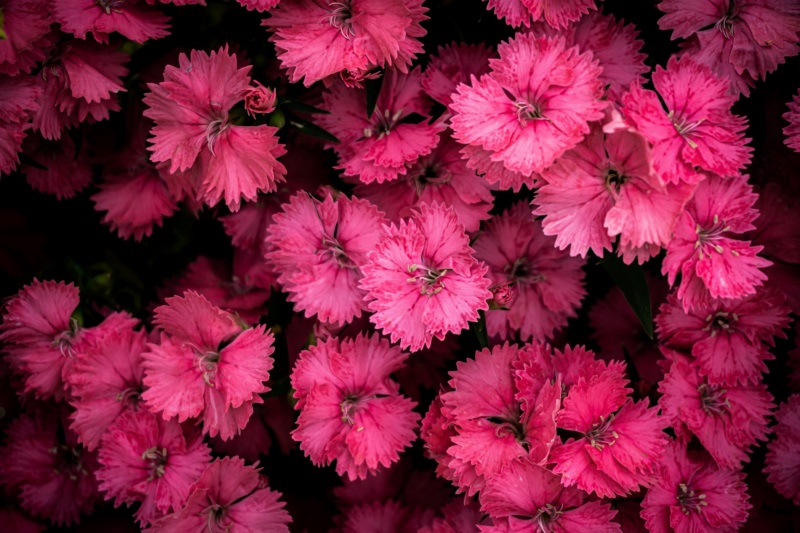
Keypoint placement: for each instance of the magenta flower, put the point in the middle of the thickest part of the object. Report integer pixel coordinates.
(694, 128)
(147, 459)
(556, 13)
(206, 365)
(100, 18)
(549, 283)
(692, 493)
(62, 171)
(453, 64)
(783, 452)
(194, 129)
(26, 24)
(705, 250)
(792, 116)
(319, 248)
(422, 280)
(229, 496)
(459, 517)
(18, 102)
(534, 105)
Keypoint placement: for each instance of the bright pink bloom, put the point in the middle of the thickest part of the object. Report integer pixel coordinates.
(422, 280)
(534, 105)
(229, 496)
(53, 474)
(697, 128)
(381, 147)
(99, 18)
(548, 282)
(105, 381)
(354, 37)
(783, 453)
(150, 460)
(437, 432)
(193, 129)
(206, 365)
(259, 100)
(692, 493)
(728, 421)
(528, 497)
(65, 171)
(26, 24)
(319, 249)
(453, 64)
(792, 116)
(556, 13)
(729, 339)
(441, 176)
(494, 172)
(351, 411)
(18, 102)
(705, 250)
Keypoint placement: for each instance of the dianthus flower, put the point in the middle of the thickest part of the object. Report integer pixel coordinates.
(62, 170)
(792, 116)
(694, 127)
(380, 147)
(229, 496)
(351, 411)
(379, 517)
(692, 493)
(206, 365)
(783, 452)
(26, 24)
(556, 13)
(743, 39)
(55, 475)
(705, 249)
(548, 282)
(441, 176)
(451, 65)
(319, 248)
(534, 105)
(195, 130)
(620, 438)
(18, 102)
(459, 517)
(730, 339)
(528, 497)
(422, 280)
(316, 39)
(100, 18)
(147, 459)
(728, 421)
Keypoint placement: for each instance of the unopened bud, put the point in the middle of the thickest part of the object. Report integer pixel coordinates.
(503, 296)
(259, 100)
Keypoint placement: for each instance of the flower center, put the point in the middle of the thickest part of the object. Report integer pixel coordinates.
(333, 247)
(207, 362)
(712, 399)
(720, 321)
(110, 5)
(431, 279)
(213, 131)
(68, 461)
(684, 127)
(600, 436)
(429, 175)
(689, 500)
(157, 462)
(64, 340)
(341, 18)
(546, 517)
(527, 111)
(382, 123)
(348, 408)
(711, 234)
(521, 270)
(725, 24)
(614, 180)
(131, 397)
(216, 519)
(511, 427)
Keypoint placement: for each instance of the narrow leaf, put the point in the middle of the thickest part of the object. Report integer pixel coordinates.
(631, 281)
(300, 107)
(312, 129)
(479, 328)
(373, 89)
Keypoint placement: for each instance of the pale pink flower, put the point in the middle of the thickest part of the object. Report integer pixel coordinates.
(792, 116)
(548, 282)
(100, 18)
(316, 39)
(26, 24)
(453, 64)
(64, 171)
(534, 105)
(422, 280)
(229, 496)
(694, 127)
(150, 460)
(783, 452)
(706, 249)
(206, 365)
(692, 493)
(351, 411)
(319, 248)
(194, 131)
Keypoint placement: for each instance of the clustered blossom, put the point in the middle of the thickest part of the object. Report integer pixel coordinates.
(419, 267)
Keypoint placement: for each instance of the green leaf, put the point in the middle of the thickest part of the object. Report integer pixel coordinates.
(631, 281)
(312, 129)
(479, 328)
(373, 89)
(300, 107)
(2, 27)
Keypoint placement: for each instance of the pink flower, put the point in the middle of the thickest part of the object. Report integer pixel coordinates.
(792, 116)
(259, 100)
(383, 146)
(18, 102)
(556, 13)
(193, 129)
(422, 280)
(206, 365)
(692, 493)
(258, 5)
(453, 64)
(528, 497)
(319, 249)
(105, 381)
(533, 106)
(441, 176)
(150, 460)
(53, 474)
(494, 172)
(728, 421)
(229, 496)
(459, 517)
(697, 128)
(379, 517)
(354, 37)
(26, 24)
(783, 452)
(351, 411)
(101, 17)
(64, 170)
(548, 282)
(705, 250)
(729, 339)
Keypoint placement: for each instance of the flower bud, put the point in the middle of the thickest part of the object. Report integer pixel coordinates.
(259, 100)
(503, 296)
